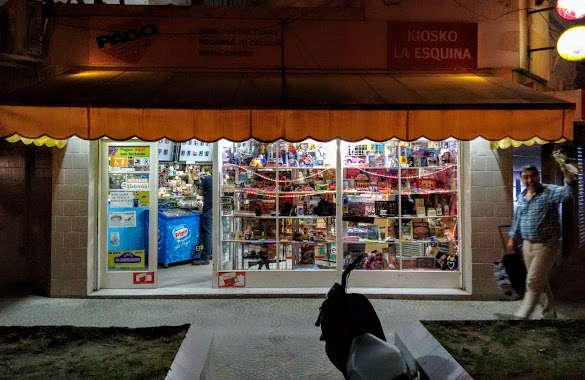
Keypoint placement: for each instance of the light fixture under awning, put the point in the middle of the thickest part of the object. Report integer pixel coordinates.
(239, 106)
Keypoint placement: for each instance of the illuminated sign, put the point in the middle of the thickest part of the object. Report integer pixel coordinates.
(571, 9)
(571, 44)
(431, 45)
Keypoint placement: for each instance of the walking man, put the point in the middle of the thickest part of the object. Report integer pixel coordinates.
(536, 222)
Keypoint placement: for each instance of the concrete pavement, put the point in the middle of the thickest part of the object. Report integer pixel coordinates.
(255, 338)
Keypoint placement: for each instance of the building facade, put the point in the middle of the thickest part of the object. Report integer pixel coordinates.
(346, 39)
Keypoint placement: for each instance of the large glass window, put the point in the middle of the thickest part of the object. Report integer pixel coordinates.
(400, 204)
(278, 205)
(288, 206)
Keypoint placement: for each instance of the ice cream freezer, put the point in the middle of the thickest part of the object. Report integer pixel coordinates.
(178, 235)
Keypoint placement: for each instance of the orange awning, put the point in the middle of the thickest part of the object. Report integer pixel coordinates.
(237, 106)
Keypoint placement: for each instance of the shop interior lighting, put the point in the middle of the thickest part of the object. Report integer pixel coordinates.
(391, 176)
(247, 169)
(292, 194)
(394, 176)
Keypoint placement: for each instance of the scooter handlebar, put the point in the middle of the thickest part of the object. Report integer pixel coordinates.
(351, 266)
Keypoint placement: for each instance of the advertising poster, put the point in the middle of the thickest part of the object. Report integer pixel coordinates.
(116, 220)
(126, 260)
(129, 158)
(129, 219)
(120, 199)
(231, 279)
(143, 197)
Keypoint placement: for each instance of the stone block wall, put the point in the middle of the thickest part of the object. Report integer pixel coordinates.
(491, 206)
(69, 271)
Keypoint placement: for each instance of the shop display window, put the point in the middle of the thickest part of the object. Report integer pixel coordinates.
(278, 205)
(287, 206)
(400, 204)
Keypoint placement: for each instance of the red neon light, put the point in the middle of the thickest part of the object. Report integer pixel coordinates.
(571, 9)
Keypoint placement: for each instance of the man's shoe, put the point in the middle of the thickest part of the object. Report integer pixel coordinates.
(199, 262)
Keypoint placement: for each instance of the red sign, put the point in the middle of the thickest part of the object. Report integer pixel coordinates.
(571, 9)
(143, 277)
(432, 45)
(231, 279)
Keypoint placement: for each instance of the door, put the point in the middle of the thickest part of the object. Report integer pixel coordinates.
(127, 212)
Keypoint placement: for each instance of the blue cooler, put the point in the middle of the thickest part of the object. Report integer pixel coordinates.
(178, 235)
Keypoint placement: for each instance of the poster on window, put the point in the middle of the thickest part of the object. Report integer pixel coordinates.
(195, 151)
(127, 260)
(119, 199)
(129, 158)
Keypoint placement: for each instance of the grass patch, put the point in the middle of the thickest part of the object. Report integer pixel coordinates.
(67, 352)
(531, 349)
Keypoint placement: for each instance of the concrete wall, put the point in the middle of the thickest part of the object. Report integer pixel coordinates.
(69, 272)
(491, 206)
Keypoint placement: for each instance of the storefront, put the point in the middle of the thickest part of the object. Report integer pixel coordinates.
(311, 165)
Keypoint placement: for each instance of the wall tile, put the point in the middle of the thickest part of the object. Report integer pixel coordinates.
(71, 192)
(478, 163)
(483, 209)
(478, 194)
(61, 224)
(71, 240)
(478, 224)
(77, 145)
(79, 224)
(482, 240)
(81, 161)
(75, 208)
(503, 210)
(57, 240)
(496, 194)
(483, 270)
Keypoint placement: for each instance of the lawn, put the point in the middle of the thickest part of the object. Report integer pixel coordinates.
(66, 352)
(531, 349)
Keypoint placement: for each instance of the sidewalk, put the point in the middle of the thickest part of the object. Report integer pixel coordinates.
(254, 338)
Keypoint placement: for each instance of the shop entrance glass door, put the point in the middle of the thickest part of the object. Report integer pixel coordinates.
(127, 232)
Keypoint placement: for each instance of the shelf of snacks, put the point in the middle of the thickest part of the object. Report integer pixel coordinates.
(400, 204)
(178, 184)
(280, 195)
